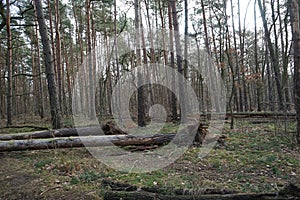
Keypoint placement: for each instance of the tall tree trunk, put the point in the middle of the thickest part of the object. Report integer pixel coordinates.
(152, 50)
(186, 32)
(239, 99)
(119, 101)
(294, 12)
(182, 98)
(205, 27)
(3, 85)
(285, 51)
(141, 111)
(230, 63)
(242, 64)
(9, 66)
(52, 35)
(172, 62)
(58, 54)
(91, 94)
(41, 89)
(257, 71)
(52, 88)
(274, 58)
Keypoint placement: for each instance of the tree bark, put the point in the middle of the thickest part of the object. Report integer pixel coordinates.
(52, 89)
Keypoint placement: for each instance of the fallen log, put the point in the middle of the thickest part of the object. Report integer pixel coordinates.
(263, 115)
(117, 195)
(116, 191)
(88, 141)
(106, 129)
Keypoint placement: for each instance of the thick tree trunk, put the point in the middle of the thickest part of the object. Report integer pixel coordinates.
(55, 112)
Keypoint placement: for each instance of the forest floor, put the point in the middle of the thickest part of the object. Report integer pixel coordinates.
(255, 158)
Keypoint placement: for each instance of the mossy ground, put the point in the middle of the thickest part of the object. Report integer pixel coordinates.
(259, 158)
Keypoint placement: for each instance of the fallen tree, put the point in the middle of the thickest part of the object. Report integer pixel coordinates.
(109, 195)
(263, 115)
(116, 191)
(87, 141)
(95, 136)
(106, 129)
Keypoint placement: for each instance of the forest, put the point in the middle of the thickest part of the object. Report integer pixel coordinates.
(143, 99)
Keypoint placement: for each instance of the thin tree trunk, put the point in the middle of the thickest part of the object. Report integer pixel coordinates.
(230, 63)
(40, 78)
(274, 58)
(257, 71)
(285, 50)
(186, 32)
(239, 98)
(242, 64)
(52, 88)
(58, 54)
(205, 27)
